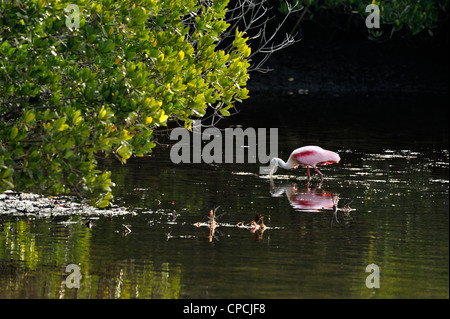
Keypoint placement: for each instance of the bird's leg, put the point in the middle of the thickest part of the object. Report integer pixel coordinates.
(307, 167)
(320, 174)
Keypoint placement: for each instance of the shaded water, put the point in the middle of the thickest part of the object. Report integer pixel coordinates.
(394, 173)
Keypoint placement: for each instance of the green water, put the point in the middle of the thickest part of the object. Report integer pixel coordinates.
(394, 173)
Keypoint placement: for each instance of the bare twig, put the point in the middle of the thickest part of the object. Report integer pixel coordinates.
(253, 17)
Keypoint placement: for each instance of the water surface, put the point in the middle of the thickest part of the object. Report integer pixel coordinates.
(394, 174)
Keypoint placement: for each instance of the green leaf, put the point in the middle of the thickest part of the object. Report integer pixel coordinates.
(124, 152)
(61, 124)
(103, 203)
(8, 172)
(130, 54)
(106, 46)
(224, 112)
(7, 182)
(13, 133)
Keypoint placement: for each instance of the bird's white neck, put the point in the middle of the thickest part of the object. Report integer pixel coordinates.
(275, 162)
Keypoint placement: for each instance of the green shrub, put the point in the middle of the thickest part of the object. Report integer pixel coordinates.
(71, 93)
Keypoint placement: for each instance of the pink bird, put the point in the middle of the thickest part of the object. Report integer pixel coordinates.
(306, 156)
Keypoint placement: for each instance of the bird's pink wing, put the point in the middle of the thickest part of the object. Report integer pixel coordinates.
(315, 157)
(307, 157)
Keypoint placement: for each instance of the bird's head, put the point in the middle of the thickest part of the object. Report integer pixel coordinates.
(334, 157)
(273, 166)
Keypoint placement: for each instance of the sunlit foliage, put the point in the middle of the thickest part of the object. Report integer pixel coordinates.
(78, 87)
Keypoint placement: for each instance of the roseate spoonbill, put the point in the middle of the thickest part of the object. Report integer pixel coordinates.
(306, 156)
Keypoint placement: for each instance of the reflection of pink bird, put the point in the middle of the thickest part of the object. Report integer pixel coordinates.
(307, 200)
(312, 201)
(306, 156)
